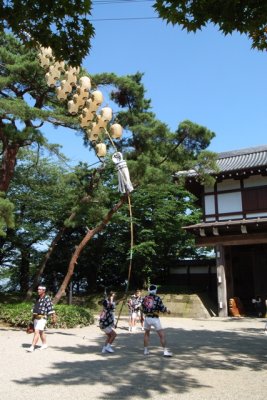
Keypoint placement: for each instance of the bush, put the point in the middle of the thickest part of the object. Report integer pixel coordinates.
(19, 314)
(72, 316)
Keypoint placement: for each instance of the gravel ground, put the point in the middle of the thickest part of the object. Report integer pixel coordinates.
(214, 358)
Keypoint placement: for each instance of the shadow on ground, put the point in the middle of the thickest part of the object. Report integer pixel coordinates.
(129, 373)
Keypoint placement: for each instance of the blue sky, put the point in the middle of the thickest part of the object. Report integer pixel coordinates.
(214, 80)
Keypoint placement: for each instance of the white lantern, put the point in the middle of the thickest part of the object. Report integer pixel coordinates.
(71, 75)
(106, 114)
(73, 108)
(66, 86)
(93, 133)
(61, 94)
(54, 72)
(97, 97)
(101, 149)
(116, 131)
(83, 121)
(83, 93)
(85, 118)
(85, 83)
(47, 52)
(91, 105)
(88, 114)
(59, 65)
(100, 122)
(78, 100)
(45, 56)
(44, 61)
(50, 80)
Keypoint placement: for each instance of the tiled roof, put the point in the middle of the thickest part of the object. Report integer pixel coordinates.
(253, 157)
(212, 233)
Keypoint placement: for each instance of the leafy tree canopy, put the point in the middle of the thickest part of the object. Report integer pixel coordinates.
(246, 16)
(6, 214)
(63, 25)
(52, 203)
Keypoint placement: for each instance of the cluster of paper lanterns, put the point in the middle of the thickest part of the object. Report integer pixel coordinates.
(82, 101)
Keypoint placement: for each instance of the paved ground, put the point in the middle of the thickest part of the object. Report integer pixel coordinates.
(214, 358)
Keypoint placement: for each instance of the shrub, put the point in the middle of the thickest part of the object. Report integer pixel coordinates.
(69, 316)
(19, 314)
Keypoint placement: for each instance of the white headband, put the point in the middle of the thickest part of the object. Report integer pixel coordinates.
(152, 289)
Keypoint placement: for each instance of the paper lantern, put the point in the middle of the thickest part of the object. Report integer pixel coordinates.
(93, 133)
(87, 115)
(66, 86)
(86, 118)
(47, 52)
(97, 97)
(55, 72)
(83, 93)
(106, 114)
(50, 80)
(116, 131)
(101, 149)
(73, 108)
(79, 100)
(91, 105)
(85, 83)
(100, 122)
(61, 94)
(45, 56)
(59, 65)
(71, 75)
(44, 61)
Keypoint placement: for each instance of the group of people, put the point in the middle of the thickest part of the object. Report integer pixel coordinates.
(146, 309)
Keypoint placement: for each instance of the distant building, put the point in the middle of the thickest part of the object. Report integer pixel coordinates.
(195, 274)
(235, 224)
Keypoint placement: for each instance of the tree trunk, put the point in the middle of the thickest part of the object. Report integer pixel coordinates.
(44, 262)
(83, 243)
(7, 169)
(24, 270)
(50, 251)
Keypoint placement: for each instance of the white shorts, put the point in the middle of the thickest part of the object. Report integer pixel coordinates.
(152, 322)
(40, 324)
(108, 329)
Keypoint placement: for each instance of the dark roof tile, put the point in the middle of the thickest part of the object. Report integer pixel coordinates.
(242, 159)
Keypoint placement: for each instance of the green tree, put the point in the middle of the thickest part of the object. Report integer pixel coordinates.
(26, 103)
(246, 16)
(152, 151)
(153, 154)
(6, 214)
(41, 199)
(63, 25)
(160, 208)
(49, 200)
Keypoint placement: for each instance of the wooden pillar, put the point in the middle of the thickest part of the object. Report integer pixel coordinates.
(229, 272)
(221, 282)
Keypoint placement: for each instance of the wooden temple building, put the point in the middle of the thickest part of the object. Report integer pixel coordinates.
(235, 224)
